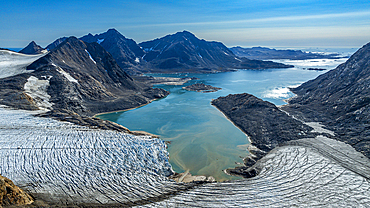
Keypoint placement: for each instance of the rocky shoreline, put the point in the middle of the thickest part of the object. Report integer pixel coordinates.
(266, 126)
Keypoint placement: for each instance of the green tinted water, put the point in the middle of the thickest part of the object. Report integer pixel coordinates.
(202, 139)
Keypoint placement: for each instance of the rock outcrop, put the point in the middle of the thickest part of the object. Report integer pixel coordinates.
(11, 194)
(33, 48)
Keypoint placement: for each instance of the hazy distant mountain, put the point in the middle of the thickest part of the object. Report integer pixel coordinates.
(184, 52)
(262, 53)
(80, 77)
(54, 44)
(126, 51)
(32, 48)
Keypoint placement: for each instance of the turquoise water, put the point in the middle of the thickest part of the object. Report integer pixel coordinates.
(201, 138)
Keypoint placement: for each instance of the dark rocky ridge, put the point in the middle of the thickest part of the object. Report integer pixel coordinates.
(32, 48)
(265, 124)
(54, 44)
(95, 84)
(340, 100)
(262, 53)
(184, 52)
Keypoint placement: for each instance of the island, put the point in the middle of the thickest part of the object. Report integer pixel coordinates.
(200, 87)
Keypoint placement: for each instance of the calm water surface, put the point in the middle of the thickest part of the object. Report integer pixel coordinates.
(202, 139)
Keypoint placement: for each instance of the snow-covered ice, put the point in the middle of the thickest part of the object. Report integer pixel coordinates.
(37, 90)
(73, 164)
(13, 63)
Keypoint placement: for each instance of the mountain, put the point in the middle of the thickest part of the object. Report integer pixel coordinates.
(79, 77)
(262, 53)
(340, 100)
(180, 52)
(32, 48)
(184, 52)
(126, 52)
(54, 44)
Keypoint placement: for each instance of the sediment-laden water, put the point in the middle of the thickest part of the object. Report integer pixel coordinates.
(202, 139)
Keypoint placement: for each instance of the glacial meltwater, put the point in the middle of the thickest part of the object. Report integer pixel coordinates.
(201, 138)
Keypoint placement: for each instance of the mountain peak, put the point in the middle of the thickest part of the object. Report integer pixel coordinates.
(185, 34)
(126, 51)
(32, 48)
(113, 31)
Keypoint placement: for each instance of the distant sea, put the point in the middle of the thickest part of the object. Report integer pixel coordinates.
(201, 138)
(15, 49)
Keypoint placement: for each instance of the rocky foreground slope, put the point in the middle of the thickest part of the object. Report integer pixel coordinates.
(11, 194)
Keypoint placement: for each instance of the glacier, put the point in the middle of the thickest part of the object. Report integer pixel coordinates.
(62, 163)
(65, 164)
(13, 63)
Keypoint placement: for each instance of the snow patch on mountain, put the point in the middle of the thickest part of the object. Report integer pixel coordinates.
(37, 90)
(65, 74)
(90, 56)
(100, 41)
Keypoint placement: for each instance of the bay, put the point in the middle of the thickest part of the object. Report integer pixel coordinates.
(201, 138)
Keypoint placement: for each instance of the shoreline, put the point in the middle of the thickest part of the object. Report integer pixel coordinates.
(130, 131)
(248, 137)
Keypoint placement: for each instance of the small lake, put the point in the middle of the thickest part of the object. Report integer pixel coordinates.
(201, 138)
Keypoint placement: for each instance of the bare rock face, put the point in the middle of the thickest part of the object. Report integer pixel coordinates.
(11, 194)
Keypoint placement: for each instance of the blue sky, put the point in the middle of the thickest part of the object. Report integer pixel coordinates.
(285, 23)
